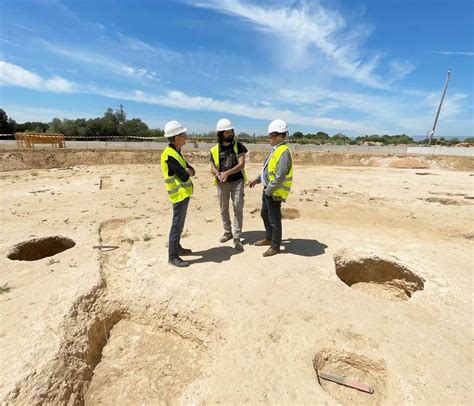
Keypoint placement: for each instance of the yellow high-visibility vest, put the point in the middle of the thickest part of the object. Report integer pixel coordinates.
(215, 158)
(284, 190)
(177, 190)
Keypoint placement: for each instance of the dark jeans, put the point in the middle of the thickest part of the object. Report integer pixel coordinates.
(271, 215)
(179, 217)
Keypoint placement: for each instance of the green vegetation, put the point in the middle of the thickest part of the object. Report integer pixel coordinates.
(114, 124)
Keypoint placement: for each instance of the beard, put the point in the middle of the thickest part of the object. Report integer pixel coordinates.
(229, 139)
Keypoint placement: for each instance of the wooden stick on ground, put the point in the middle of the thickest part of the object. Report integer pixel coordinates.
(342, 380)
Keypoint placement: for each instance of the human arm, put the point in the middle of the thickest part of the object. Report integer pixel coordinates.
(240, 166)
(256, 181)
(175, 167)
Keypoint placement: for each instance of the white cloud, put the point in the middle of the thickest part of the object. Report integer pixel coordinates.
(467, 53)
(177, 99)
(14, 75)
(95, 60)
(400, 69)
(310, 26)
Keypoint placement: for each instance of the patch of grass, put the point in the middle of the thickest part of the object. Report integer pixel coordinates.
(34, 173)
(5, 289)
(131, 241)
(147, 237)
(185, 234)
(52, 261)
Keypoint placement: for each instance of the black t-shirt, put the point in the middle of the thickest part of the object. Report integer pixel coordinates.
(228, 159)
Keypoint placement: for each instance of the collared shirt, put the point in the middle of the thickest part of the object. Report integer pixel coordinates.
(264, 174)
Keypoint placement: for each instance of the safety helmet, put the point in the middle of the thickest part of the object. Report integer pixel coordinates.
(173, 128)
(278, 126)
(223, 124)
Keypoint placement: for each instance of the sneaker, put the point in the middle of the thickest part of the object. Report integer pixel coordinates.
(238, 245)
(262, 243)
(178, 262)
(226, 237)
(184, 251)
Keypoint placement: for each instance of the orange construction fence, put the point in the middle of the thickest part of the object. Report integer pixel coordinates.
(29, 140)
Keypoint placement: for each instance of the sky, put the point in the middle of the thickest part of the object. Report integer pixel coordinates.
(341, 66)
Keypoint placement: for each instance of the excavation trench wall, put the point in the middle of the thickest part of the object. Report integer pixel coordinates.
(16, 159)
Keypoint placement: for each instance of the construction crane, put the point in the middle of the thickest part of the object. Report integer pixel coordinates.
(431, 133)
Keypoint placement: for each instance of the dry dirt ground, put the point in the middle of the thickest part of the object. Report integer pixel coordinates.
(374, 283)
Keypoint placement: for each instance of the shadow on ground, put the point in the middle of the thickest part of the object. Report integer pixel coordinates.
(216, 254)
(303, 247)
(296, 246)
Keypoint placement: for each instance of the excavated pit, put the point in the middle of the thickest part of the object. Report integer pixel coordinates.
(143, 365)
(359, 368)
(39, 248)
(115, 352)
(379, 277)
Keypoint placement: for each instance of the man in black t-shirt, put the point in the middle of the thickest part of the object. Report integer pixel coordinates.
(227, 166)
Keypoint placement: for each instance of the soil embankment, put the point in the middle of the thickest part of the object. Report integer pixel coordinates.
(11, 160)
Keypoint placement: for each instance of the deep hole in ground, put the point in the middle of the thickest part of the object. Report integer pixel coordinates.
(356, 367)
(39, 248)
(377, 276)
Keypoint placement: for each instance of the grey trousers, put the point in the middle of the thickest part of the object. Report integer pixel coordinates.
(235, 191)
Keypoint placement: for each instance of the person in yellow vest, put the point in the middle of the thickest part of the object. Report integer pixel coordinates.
(227, 165)
(177, 174)
(276, 178)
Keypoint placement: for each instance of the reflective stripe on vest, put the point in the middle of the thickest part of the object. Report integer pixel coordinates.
(215, 158)
(177, 190)
(284, 190)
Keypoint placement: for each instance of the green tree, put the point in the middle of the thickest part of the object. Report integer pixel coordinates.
(7, 124)
(134, 128)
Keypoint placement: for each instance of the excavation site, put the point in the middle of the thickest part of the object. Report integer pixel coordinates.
(369, 301)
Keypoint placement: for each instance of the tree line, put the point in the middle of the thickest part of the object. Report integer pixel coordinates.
(114, 124)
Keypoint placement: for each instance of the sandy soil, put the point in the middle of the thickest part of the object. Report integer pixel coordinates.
(374, 283)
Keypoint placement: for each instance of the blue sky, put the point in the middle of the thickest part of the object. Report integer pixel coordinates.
(351, 66)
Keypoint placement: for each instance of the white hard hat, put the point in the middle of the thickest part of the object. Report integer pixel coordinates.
(173, 128)
(223, 124)
(277, 126)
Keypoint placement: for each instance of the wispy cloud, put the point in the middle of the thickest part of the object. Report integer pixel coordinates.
(307, 27)
(14, 75)
(467, 53)
(100, 61)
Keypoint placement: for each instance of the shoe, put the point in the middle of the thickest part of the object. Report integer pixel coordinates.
(226, 237)
(178, 262)
(271, 251)
(238, 245)
(262, 243)
(184, 251)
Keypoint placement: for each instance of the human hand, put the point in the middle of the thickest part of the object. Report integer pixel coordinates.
(253, 183)
(222, 176)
